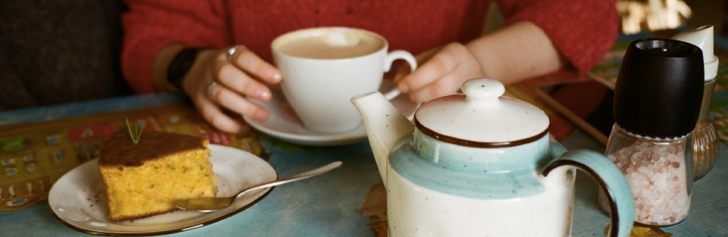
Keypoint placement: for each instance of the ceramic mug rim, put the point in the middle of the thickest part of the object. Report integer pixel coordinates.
(278, 40)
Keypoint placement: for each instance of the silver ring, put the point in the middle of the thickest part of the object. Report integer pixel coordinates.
(231, 51)
(209, 88)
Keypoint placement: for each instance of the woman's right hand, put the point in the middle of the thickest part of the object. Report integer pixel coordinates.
(220, 84)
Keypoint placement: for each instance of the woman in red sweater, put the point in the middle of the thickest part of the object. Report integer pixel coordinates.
(181, 45)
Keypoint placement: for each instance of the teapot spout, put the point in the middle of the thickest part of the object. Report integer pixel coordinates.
(384, 125)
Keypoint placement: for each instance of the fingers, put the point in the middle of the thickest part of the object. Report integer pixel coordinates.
(214, 115)
(237, 71)
(235, 79)
(251, 63)
(445, 85)
(432, 70)
(222, 89)
(236, 103)
(405, 68)
(442, 75)
(241, 70)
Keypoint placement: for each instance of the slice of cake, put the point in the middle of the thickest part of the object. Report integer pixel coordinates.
(141, 179)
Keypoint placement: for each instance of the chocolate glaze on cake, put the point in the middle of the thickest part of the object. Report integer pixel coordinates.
(121, 151)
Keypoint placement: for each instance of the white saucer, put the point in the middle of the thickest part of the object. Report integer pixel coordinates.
(284, 124)
(79, 201)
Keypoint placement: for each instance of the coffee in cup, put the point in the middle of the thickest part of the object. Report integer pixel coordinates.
(331, 44)
(323, 68)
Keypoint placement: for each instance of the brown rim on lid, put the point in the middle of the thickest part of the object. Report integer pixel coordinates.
(482, 117)
(468, 143)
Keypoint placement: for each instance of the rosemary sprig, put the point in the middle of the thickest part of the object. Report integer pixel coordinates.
(135, 131)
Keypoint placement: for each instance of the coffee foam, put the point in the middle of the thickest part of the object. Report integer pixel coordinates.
(340, 38)
(329, 43)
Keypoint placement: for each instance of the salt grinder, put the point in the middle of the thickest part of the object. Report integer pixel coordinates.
(657, 100)
(704, 137)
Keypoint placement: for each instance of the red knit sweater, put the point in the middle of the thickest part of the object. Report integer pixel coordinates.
(582, 30)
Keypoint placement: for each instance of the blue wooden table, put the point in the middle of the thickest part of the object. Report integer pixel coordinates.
(327, 205)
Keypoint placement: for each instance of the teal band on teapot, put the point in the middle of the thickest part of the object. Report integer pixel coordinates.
(482, 173)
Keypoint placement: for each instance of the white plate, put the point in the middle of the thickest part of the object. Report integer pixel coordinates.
(284, 124)
(79, 200)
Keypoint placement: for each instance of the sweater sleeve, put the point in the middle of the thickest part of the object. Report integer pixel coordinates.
(583, 31)
(149, 25)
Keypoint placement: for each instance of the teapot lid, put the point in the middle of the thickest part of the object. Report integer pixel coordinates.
(482, 117)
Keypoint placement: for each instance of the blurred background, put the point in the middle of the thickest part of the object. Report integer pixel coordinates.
(656, 15)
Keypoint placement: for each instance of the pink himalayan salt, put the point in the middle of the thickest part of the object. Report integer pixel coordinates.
(657, 176)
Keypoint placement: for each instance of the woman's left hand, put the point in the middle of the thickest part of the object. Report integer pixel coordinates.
(443, 72)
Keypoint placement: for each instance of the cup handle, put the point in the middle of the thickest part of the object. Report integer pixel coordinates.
(610, 179)
(394, 55)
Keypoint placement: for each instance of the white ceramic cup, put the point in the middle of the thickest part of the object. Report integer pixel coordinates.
(323, 68)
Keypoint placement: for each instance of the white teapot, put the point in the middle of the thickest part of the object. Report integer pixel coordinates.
(482, 164)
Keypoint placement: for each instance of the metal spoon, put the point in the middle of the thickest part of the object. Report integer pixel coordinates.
(210, 204)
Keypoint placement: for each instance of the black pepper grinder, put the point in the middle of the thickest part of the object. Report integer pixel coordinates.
(657, 100)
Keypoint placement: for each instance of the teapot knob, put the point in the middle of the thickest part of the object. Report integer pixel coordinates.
(483, 89)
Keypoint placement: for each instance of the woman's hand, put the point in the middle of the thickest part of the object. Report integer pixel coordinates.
(219, 82)
(443, 72)
(519, 51)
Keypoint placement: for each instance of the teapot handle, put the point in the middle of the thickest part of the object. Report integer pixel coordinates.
(610, 179)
